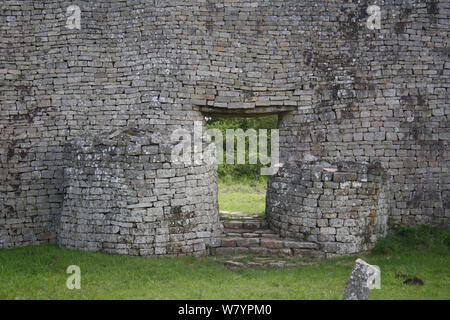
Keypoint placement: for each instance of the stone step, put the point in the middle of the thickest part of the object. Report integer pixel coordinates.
(267, 251)
(253, 236)
(248, 233)
(228, 242)
(245, 224)
(254, 250)
(265, 264)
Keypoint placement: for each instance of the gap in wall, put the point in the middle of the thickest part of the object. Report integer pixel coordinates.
(242, 188)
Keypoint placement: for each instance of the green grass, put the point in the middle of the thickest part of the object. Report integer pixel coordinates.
(436, 240)
(39, 273)
(242, 197)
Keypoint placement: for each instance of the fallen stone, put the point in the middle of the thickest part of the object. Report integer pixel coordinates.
(360, 281)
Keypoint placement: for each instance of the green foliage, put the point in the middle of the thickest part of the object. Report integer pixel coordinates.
(404, 238)
(242, 172)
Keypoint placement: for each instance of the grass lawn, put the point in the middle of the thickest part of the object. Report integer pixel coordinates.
(242, 197)
(39, 273)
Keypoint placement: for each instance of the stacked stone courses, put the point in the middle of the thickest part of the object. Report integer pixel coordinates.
(343, 206)
(123, 195)
(75, 102)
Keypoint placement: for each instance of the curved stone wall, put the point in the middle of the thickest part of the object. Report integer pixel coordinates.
(342, 206)
(124, 195)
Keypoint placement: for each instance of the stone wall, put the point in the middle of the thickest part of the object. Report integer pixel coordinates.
(347, 93)
(124, 195)
(380, 96)
(342, 206)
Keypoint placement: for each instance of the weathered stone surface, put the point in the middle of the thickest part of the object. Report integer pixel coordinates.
(234, 264)
(359, 283)
(229, 242)
(225, 251)
(300, 245)
(271, 244)
(320, 206)
(266, 242)
(276, 264)
(105, 188)
(354, 95)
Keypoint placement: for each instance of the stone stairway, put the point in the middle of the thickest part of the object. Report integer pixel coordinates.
(253, 236)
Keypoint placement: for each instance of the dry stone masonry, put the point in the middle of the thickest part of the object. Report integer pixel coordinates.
(123, 195)
(252, 236)
(343, 207)
(87, 111)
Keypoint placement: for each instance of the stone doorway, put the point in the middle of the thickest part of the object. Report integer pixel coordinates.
(241, 182)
